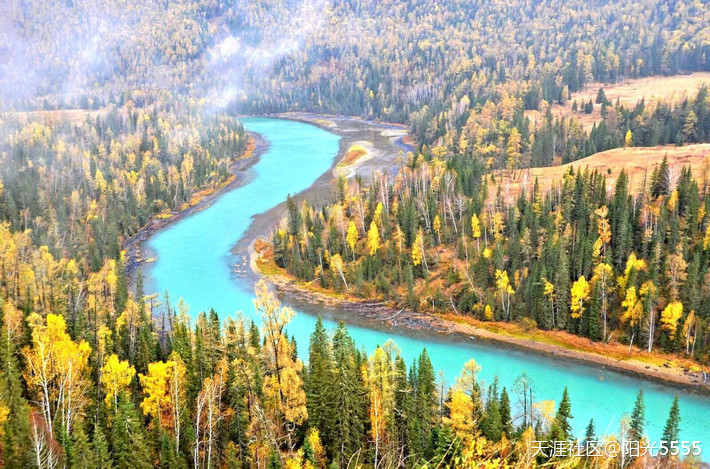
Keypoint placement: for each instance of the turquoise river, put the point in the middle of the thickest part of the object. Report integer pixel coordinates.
(194, 262)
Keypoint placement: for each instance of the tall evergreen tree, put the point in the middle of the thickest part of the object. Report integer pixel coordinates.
(562, 428)
(319, 381)
(671, 431)
(347, 428)
(129, 445)
(424, 408)
(638, 418)
(506, 418)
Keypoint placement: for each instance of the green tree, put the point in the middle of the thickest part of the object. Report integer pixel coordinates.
(561, 427)
(318, 382)
(425, 404)
(638, 418)
(506, 418)
(671, 431)
(347, 428)
(130, 448)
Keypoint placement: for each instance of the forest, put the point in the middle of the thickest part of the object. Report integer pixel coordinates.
(590, 255)
(233, 394)
(114, 113)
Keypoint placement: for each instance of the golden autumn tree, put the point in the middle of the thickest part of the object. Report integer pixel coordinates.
(116, 376)
(285, 398)
(417, 252)
(670, 316)
(437, 227)
(604, 230)
(461, 409)
(165, 394)
(336, 265)
(373, 238)
(476, 230)
(601, 280)
(504, 291)
(632, 311)
(352, 237)
(579, 294)
(57, 372)
(379, 380)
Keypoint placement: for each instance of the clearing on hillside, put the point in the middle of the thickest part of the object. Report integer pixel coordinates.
(637, 161)
(630, 92)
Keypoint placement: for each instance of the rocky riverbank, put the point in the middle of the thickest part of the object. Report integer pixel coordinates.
(379, 312)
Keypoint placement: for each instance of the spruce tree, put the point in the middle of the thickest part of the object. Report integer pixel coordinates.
(506, 418)
(15, 430)
(82, 454)
(102, 455)
(130, 448)
(424, 411)
(402, 408)
(346, 430)
(564, 414)
(318, 381)
(637, 418)
(491, 424)
(274, 460)
(672, 429)
(590, 432)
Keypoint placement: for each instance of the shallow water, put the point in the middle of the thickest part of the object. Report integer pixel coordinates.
(194, 262)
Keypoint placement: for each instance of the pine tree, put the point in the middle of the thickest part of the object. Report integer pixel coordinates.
(637, 418)
(130, 449)
(319, 381)
(506, 418)
(82, 454)
(15, 430)
(424, 407)
(562, 419)
(672, 429)
(590, 432)
(102, 456)
(491, 423)
(402, 408)
(274, 460)
(601, 96)
(448, 448)
(346, 431)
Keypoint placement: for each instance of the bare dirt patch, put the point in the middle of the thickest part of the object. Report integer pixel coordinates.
(630, 92)
(638, 162)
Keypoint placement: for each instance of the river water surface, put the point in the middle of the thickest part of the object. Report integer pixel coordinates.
(194, 262)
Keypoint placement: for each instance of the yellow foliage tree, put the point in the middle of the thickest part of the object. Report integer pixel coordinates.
(579, 294)
(670, 316)
(352, 237)
(116, 376)
(379, 380)
(336, 265)
(164, 393)
(476, 229)
(437, 227)
(57, 372)
(417, 252)
(373, 238)
(285, 399)
(505, 291)
(460, 411)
